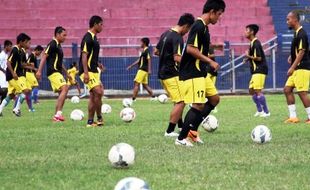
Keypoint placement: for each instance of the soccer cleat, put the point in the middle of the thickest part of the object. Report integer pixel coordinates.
(265, 115)
(58, 118)
(100, 122)
(194, 136)
(153, 99)
(292, 120)
(32, 110)
(183, 142)
(92, 125)
(172, 134)
(17, 113)
(258, 114)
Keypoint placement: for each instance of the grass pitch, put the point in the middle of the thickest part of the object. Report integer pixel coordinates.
(36, 153)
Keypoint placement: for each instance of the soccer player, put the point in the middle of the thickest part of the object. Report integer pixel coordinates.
(88, 70)
(3, 65)
(73, 71)
(15, 74)
(259, 70)
(169, 49)
(299, 71)
(195, 86)
(53, 57)
(30, 74)
(144, 70)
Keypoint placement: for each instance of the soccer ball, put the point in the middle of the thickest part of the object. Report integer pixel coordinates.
(127, 102)
(77, 115)
(132, 183)
(122, 155)
(128, 115)
(261, 134)
(106, 108)
(75, 100)
(210, 123)
(162, 98)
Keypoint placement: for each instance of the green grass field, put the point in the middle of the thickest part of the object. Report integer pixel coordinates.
(38, 154)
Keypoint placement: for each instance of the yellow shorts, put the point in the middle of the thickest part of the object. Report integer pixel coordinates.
(257, 81)
(71, 82)
(210, 87)
(173, 88)
(213, 78)
(299, 80)
(94, 80)
(142, 77)
(31, 80)
(194, 90)
(57, 81)
(17, 86)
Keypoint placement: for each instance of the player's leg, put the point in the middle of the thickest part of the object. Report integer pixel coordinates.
(3, 94)
(194, 92)
(98, 93)
(302, 81)
(259, 109)
(6, 101)
(91, 109)
(149, 90)
(78, 88)
(12, 88)
(175, 118)
(290, 99)
(61, 101)
(23, 92)
(263, 103)
(135, 90)
(35, 95)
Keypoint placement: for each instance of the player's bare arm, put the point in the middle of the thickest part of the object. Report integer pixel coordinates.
(9, 65)
(84, 63)
(198, 55)
(298, 59)
(135, 63)
(41, 66)
(149, 66)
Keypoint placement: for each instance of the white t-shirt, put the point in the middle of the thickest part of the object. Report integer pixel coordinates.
(3, 65)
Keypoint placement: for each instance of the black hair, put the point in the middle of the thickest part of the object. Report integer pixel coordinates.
(7, 43)
(38, 48)
(94, 20)
(296, 14)
(22, 37)
(216, 5)
(254, 28)
(146, 41)
(73, 64)
(186, 19)
(59, 30)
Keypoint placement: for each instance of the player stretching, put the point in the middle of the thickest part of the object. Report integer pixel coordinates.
(169, 49)
(15, 75)
(88, 70)
(299, 71)
(144, 71)
(259, 71)
(53, 57)
(195, 86)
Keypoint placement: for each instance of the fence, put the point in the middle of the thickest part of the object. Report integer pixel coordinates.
(233, 76)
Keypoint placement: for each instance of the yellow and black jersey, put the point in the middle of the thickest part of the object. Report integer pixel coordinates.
(199, 37)
(15, 60)
(23, 59)
(144, 60)
(170, 44)
(55, 57)
(90, 45)
(210, 69)
(256, 50)
(32, 59)
(300, 42)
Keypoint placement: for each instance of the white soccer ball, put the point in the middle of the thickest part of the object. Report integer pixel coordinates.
(77, 115)
(128, 115)
(210, 123)
(75, 100)
(132, 183)
(162, 98)
(261, 134)
(127, 102)
(122, 155)
(106, 108)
